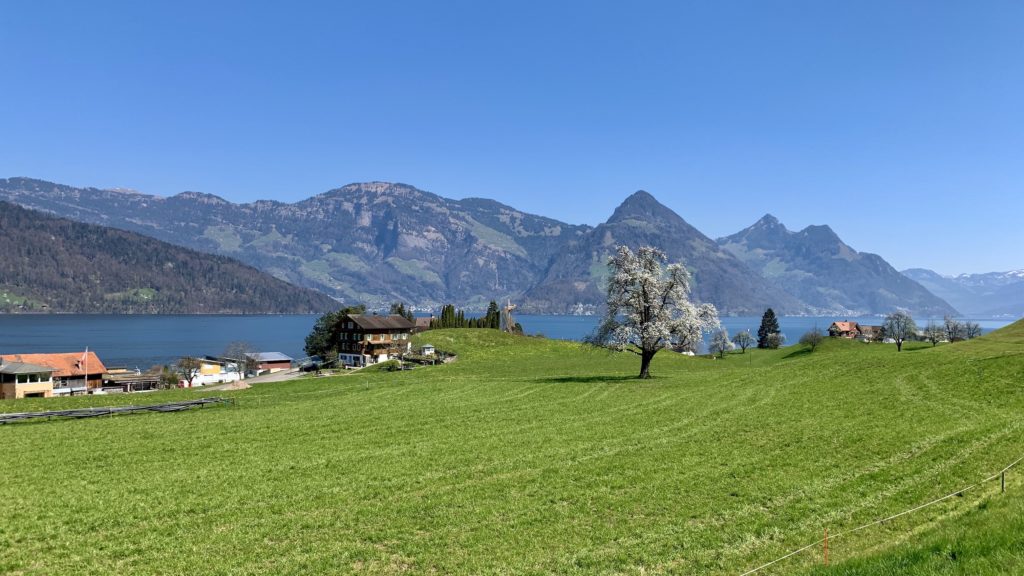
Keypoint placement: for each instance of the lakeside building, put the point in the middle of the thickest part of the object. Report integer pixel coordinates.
(73, 372)
(853, 330)
(214, 371)
(366, 339)
(23, 380)
(270, 361)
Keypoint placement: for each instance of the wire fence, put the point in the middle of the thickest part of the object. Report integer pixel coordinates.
(1000, 475)
(10, 418)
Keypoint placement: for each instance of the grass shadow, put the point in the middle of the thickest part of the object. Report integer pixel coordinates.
(587, 379)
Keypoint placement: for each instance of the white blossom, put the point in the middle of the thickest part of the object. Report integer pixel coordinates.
(649, 307)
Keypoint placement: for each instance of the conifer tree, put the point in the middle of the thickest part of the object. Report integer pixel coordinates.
(769, 326)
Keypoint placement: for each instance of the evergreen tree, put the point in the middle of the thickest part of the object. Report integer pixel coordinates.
(769, 326)
(324, 338)
(493, 317)
(400, 309)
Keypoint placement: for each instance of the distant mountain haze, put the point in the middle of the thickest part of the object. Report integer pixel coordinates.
(380, 242)
(990, 294)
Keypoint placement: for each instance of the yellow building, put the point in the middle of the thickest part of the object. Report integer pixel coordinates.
(22, 380)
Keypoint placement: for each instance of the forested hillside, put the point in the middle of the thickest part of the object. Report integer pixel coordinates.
(50, 264)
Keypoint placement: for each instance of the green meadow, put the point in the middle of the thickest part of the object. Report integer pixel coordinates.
(532, 456)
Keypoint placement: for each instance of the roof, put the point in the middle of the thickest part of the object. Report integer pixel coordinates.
(64, 364)
(424, 321)
(23, 368)
(866, 328)
(392, 322)
(845, 326)
(269, 357)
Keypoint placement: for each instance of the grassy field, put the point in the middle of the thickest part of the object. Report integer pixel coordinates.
(531, 456)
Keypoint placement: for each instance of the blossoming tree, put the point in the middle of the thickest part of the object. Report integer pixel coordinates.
(649, 307)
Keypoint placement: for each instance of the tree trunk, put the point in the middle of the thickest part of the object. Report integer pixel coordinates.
(645, 363)
(899, 345)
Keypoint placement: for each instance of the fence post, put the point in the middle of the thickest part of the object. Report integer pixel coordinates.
(826, 546)
(1002, 482)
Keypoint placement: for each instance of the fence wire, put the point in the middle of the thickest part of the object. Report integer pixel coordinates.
(833, 536)
(12, 417)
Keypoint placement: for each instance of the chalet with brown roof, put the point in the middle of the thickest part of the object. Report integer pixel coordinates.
(367, 339)
(845, 329)
(853, 330)
(73, 372)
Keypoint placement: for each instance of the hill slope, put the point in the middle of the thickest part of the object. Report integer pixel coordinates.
(991, 294)
(576, 274)
(529, 456)
(817, 267)
(56, 265)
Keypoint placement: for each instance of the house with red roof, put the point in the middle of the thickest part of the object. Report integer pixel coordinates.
(73, 372)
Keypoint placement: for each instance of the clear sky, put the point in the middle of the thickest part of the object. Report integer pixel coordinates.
(900, 124)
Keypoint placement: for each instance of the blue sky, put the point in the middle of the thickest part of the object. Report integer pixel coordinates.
(900, 124)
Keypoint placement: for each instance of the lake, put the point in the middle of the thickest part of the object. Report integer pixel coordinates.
(147, 340)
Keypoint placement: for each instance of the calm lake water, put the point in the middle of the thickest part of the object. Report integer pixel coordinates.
(143, 341)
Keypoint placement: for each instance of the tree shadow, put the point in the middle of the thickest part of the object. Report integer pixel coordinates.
(587, 379)
(798, 353)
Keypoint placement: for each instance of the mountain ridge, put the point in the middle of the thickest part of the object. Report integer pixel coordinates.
(377, 242)
(815, 266)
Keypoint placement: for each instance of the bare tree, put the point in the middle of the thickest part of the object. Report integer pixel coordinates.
(954, 329)
(744, 340)
(774, 340)
(188, 368)
(899, 326)
(167, 377)
(971, 330)
(934, 333)
(648, 307)
(238, 352)
(720, 343)
(812, 338)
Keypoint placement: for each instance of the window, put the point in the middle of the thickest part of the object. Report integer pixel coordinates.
(22, 378)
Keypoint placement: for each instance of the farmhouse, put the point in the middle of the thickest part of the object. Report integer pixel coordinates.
(23, 380)
(843, 330)
(365, 339)
(869, 333)
(851, 330)
(73, 372)
(423, 323)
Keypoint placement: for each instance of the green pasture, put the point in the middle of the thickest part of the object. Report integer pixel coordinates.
(533, 456)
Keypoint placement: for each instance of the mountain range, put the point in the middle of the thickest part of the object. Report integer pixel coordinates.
(989, 294)
(56, 265)
(817, 267)
(382, 242)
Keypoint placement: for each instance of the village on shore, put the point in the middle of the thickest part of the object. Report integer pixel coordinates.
(361, 340)
(365, 339)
